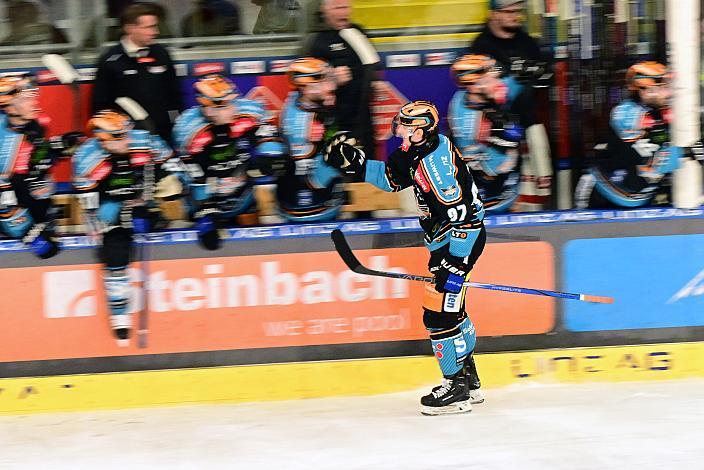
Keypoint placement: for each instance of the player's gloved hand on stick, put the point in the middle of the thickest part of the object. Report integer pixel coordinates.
(341, 153)
(206, 227)
(449, 275)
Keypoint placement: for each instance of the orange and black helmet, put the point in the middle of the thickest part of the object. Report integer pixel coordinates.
(109, 125)
(419, 114)
(471, 67)
(11, 85)
(646, 74)
(214, 90)
(306, 71)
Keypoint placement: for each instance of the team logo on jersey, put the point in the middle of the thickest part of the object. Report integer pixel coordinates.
(449, 191)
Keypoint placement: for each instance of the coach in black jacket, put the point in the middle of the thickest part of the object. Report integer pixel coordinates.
(345, 46)
(140, 69)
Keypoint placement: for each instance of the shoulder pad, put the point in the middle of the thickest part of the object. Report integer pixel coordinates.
(9, 146)
(253, 108)
(139, 139)
(160, 149)
(627, 120)
(87, 156)
(186, 126)
(440, 171)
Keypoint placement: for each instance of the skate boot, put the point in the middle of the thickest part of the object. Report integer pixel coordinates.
(448, 398)
(473, 393)
(121, 325)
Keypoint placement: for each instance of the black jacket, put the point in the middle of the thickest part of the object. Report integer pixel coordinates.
(151, 81)
(521, 45)
(354, 97)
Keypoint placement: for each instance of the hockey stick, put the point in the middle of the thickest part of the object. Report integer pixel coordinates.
(140, 115)
(345, 252)
(67, 75)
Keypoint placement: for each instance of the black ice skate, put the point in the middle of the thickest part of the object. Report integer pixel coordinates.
(449, 398)
(474, 395)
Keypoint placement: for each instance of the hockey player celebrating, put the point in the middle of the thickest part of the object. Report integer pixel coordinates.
(633, 167)
(486, 133)
(227, 142)
(26, 158)
(310, 190)
(452, 219)
(115, 174)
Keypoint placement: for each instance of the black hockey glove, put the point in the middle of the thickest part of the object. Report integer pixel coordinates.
(207, 228)
(41, 241)
(505, 134)
(449, 275)
(145, 219)
(66, 144)
(526, 71)
(341, 153)
(270, 165)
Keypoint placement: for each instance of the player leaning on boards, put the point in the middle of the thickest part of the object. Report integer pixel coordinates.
(26, 158)
(227, 142)
(114, 175)
(633, 168)
(487, 134)
(309, 190)
(452, 218)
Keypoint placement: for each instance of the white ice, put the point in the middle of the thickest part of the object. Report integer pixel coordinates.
(649, 425)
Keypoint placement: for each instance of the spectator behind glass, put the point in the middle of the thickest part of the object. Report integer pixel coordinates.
(26, 28)
(141, 69)
(211, 18)
(354, 78)
(278, 16)
(111, 23)
(505, 40)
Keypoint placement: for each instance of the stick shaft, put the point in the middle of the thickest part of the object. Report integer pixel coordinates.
(355, 265)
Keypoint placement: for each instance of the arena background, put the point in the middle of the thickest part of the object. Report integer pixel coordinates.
(277, 307)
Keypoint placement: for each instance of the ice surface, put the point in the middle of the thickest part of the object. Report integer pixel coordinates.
(648, 425)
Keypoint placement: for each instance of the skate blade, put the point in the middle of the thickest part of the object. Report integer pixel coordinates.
(476, 398)
(452, 409)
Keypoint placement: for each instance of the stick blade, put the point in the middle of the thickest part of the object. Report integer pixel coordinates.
(344, 250)
(599, 299)
(131, 107)
(59, 66)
